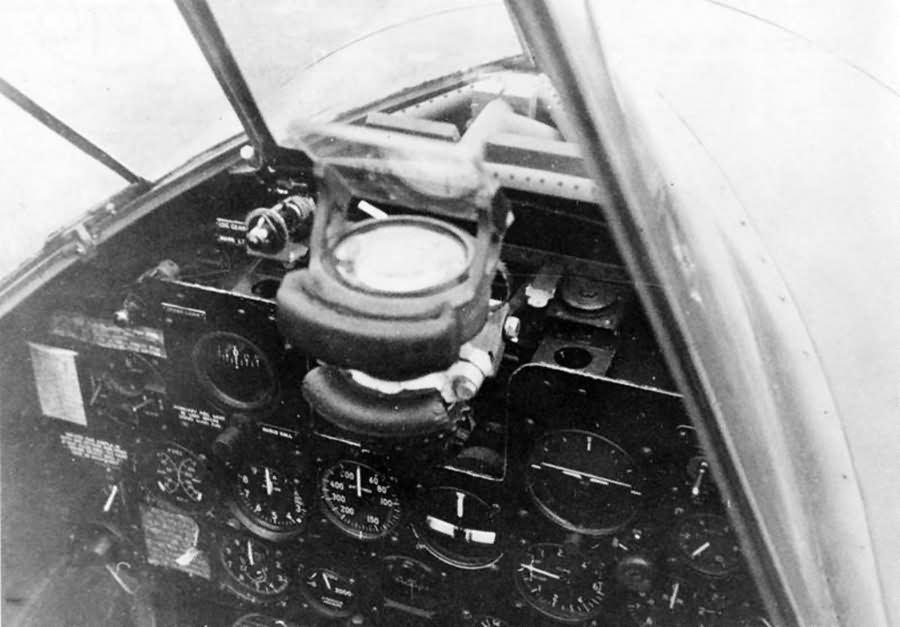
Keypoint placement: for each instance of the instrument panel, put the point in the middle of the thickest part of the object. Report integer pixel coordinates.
(573, 491)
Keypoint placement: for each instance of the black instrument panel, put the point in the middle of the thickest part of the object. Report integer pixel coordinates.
(577, 493)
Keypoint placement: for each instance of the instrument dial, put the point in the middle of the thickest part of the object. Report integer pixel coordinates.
(490, 621)
(583, 481)
(668, 603)
(329, 591)
(410, 583)
(707, 543)
(254, 567)
(234, 371)
(180, 476)
(561, 582)
(459, 528)
(269, 502)
(359, 500)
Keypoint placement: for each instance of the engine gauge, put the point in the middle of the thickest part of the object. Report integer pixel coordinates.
(707, 543)
(254, 567)
(668, 603)
(489, 621)
(234, 371)
(269, 502)
(359, 500)
(328, 591)
(459, 528)
(560, 582)
(179, 476)
(410, 583)
(583, 481)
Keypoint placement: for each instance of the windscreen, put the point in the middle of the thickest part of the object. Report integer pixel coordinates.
(312, 61)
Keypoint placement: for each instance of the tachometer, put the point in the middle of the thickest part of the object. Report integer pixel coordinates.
(459, 528)
(583, 481)
(332, 593)
(359, 500)
(234, 371)
(269, 502)
(255, 568)
(561, 582)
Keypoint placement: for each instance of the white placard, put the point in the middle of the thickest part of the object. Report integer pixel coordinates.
(56, 379)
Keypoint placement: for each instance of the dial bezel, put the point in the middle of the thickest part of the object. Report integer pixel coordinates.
(551, 511)
(258, 524)
(331, 512)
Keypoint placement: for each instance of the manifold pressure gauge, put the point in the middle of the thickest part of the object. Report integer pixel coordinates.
(269, 502)
(360, 501)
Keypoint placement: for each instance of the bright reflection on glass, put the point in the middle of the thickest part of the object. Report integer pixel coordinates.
(401, 258)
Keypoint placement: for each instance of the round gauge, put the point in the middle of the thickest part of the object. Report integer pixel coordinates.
(330, 592)
(410, 583)
(669, 603)
(255, 567)
(269, 502)
(583, 482)
(459, 528)
(234, 371)
(359, 500)
(489, 621)
(561, 583)
(706, 543)
(261, 620)
(180, 476)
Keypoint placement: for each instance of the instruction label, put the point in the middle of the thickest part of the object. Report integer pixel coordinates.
(56, 379)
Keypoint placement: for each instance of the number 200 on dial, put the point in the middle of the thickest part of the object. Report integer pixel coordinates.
(359, 500)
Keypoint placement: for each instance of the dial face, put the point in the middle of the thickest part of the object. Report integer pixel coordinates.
(234, 371)
(668, 603)
(583, 481)
(269, 502)
(490, 621)
(254, 566)
(563, 584)
(329, 591)
(359, 500)
(459, 528)
(180, 476)
(410, 583)
(706, 543)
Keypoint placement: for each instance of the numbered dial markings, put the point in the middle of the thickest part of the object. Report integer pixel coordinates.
(583, 481)
(256, 567)
(180, 476)
(328, 591)
(359, 500)
(269, 501)
(459, 528)
(563, 584)
(706, 543)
